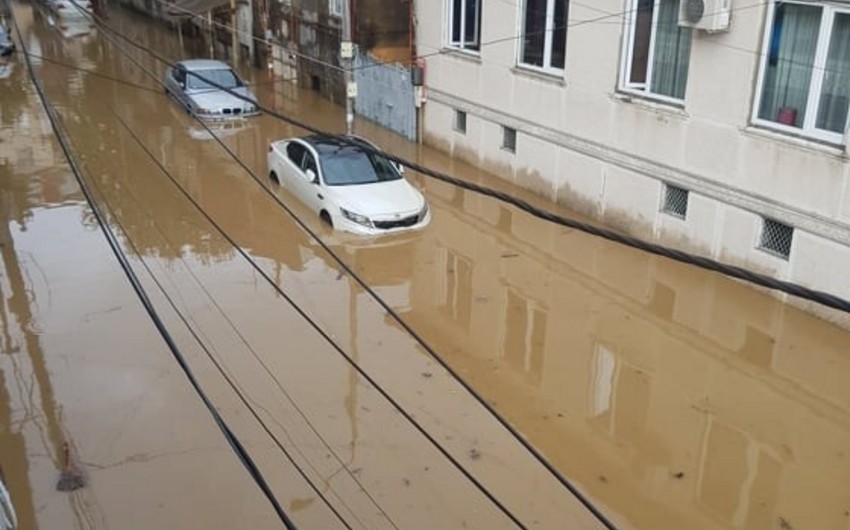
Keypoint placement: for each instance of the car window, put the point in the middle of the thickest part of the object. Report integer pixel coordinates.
(222, 78)
(350, 165)
(309, 163)
(295, 152)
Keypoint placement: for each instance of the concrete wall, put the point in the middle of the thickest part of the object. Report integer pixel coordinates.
(607, 153)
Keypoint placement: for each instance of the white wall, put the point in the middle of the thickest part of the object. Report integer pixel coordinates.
(605, 153)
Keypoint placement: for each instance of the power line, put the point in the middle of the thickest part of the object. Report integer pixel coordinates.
(228, 378)
(234, 442)
(707, 263)
(465, 472)
(736, 272)
(490, 409)
(93, 73)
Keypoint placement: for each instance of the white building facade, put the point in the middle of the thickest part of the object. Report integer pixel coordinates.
(715, 128)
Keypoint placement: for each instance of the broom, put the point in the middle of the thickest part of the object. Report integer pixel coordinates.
(71, 478)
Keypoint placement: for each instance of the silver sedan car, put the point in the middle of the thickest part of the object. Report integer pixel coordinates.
(197, 85)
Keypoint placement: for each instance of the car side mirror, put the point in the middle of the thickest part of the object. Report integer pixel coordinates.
(311, 176)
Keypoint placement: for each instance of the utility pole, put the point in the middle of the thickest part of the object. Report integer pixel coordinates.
(346, 49)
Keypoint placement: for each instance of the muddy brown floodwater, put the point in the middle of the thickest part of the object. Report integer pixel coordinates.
(671, 397)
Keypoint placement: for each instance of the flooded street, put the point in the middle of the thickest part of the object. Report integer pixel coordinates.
(670, 397)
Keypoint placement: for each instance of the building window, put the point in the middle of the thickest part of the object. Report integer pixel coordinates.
(776, 238)
(657, 49)
(465, 24)
(509, 139)
(675, 201)
(544, 33)
(460, 121)
(805, 80)
(335, 7)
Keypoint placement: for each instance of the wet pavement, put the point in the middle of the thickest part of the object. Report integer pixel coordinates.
(671, 397)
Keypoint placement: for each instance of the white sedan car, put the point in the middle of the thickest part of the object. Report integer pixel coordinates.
(349, 187)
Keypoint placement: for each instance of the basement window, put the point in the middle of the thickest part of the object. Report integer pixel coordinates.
(509, 139)
(460, 121)
(675, 201)
(776, 238)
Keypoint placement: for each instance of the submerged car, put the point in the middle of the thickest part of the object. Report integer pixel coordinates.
(348, 184)
(210, 89)
(7, 46)
(72, 9)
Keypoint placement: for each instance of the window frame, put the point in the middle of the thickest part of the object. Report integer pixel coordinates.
(547, 41)
(461, 45)
(827, 25)
(509, 132)
(336, 7)
(627, 56)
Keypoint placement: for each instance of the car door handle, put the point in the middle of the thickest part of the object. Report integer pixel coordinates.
(320, 196)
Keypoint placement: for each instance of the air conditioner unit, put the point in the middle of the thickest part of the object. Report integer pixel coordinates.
(707, 15)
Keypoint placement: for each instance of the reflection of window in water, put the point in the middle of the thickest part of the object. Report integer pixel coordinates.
(663, 300)
(506, 220)
(458, 196)
(757, 348)
(456, 291)
(619, 395)
(738, 481)
(524, 339)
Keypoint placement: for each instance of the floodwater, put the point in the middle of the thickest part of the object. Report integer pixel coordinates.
(671, 397)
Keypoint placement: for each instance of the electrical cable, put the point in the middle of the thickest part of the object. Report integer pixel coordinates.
(92, 73)
(510, 429)
(64, 144)
(740, 273)
(737, 272)
(329, 339)
(227, 377)
(244, 341)
(238, 390)
(496, 502)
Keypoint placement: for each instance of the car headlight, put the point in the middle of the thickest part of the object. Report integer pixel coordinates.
(356, 217)
(423, 212)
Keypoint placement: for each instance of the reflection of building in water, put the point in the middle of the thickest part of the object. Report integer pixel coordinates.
(702, 404)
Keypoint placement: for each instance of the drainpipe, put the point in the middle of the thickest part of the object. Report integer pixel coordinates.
(212, 36)
(347, 53)
(234, 40)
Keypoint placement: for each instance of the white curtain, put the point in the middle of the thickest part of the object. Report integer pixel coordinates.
(672, 52)
(835, 95)
(787, 78)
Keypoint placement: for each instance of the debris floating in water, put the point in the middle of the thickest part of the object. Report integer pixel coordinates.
(71, 478)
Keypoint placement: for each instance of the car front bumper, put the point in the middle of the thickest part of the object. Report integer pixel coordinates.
(347, 225)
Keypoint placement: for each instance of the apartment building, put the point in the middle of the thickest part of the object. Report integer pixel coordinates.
(715, 126)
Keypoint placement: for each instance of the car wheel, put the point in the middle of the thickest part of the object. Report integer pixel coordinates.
(273, 177)
(326, 218)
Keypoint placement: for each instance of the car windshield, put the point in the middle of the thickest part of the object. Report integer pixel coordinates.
(224, 77)
(350, 165)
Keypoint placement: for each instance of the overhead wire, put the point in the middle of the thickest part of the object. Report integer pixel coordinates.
(91, 72)
(239, 391)
(234, 442)
(706, 263)
(509, 428)
(788, 287)
(303, 314)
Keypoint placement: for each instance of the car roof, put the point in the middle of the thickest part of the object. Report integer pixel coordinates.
(328, 143)
(195, 65)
